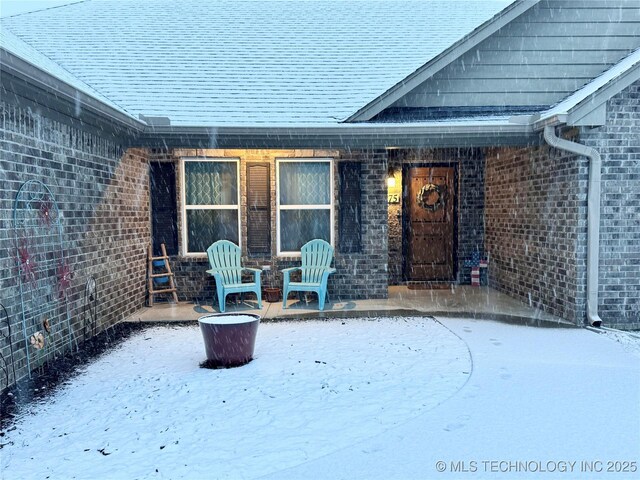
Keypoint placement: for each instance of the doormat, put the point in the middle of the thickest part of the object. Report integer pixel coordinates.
(430, 286)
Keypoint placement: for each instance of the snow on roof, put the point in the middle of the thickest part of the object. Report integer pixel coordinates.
(248, 62)
(20, 49)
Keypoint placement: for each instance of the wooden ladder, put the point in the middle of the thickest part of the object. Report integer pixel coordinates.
(155, 265)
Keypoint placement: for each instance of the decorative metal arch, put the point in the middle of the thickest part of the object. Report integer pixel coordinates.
(44, 274)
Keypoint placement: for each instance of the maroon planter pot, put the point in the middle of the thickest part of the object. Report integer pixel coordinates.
(272, 295)
(229, 338)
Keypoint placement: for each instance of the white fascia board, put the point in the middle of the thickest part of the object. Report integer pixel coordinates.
(441, 61)
(29, 73)
(362, 129)
(594, 117)
(467, 133)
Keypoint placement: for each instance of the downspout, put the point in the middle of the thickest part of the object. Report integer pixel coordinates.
(593, 216)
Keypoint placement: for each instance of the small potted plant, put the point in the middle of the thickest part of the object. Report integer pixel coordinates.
(271, 292)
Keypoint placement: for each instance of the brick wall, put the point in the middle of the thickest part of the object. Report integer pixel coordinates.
(102, 194)
(536, 220)
(364, 275)
(535, 224)
(619, 145)
(358, 275)
(470, 208)
(470, 204)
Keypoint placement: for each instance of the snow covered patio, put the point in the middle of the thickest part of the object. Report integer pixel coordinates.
(402, 397)
(459, 300)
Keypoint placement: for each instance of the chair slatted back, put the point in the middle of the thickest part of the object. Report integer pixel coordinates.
(224, 257)
(316, 258)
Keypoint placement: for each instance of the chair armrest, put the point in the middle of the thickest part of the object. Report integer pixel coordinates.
(327, 270)
(326, 273)
(254, 270)
(286, 274)
(291, 269)
(215, 275)
(256, 274)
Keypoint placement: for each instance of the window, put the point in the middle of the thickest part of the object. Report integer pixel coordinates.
(305, 203)
(210, 203)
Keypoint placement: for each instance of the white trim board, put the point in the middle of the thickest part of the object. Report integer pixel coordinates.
(183, 205)
(330, 206)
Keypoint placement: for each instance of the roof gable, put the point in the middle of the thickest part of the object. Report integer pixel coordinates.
(245, 62)
(441, 61)
(536, 60)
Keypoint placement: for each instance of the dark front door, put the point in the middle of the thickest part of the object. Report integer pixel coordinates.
(430, 225)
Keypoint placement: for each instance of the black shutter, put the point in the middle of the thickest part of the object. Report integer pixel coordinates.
(350, 237)
(164, 207)
(258, 209)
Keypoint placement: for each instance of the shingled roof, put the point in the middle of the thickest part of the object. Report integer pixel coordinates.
(243, 62)
(20, 49)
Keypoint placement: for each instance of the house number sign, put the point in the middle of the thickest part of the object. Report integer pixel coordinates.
(393, 198)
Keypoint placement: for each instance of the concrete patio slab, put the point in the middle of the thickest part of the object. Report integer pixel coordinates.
(460, 300)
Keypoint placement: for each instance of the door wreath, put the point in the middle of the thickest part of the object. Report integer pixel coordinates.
(431, 197)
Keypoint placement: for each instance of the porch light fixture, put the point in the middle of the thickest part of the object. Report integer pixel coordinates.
(391, 178)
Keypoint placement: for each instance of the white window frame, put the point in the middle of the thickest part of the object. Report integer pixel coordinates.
(329, 206)
(185, 207)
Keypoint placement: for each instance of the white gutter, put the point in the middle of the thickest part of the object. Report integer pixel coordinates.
(13, 65)
(593, 216)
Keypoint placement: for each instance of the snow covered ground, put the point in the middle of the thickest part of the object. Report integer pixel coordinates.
(357, 398)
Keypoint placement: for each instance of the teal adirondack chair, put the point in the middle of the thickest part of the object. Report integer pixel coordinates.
(224, 259)
(316, 258)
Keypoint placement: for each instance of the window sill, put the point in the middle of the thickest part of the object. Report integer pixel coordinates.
(192, 256)
(288, 256)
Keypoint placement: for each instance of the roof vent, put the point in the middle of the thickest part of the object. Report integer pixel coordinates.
(155, 121)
